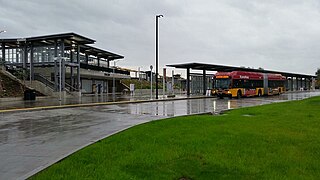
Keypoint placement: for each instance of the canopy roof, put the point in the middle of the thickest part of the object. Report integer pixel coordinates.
(224, 68)
(69, 39)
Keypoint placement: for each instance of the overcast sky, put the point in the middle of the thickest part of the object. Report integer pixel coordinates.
(279, 35)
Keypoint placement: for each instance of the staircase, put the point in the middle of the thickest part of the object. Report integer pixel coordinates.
(42, 84)
(45, 86)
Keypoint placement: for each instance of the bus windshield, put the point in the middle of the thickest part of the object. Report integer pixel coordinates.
(222, 83)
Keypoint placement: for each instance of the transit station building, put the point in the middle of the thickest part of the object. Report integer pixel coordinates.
(68, 62)
(65, 61)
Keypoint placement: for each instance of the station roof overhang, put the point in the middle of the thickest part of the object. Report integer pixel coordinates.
(99, 53)
(69, 39)
(224, 68)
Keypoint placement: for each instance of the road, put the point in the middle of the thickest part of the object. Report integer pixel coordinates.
(31, 141)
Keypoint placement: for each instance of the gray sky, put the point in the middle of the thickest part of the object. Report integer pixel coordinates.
(279, 35)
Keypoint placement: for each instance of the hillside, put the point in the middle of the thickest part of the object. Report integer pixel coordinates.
(10, 87)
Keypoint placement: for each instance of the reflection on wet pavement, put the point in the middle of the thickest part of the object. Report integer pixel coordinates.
(32, 140)
(47, 101)
(194, 106)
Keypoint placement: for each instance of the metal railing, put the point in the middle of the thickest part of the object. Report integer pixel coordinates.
(50, 84)
(44, 80)
(70, 87)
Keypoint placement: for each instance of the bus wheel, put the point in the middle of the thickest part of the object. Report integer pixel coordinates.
(259, 93)
(239, 94)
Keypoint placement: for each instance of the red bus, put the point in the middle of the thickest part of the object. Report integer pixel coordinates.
(245, 84)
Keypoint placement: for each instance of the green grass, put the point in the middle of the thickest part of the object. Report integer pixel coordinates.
(276, 141)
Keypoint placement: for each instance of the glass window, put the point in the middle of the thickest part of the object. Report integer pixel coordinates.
(222, 83)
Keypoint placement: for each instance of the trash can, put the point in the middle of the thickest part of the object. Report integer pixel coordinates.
(29, 94)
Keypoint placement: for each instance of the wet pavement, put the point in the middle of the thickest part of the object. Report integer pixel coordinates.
(85, 99)
(31, 141)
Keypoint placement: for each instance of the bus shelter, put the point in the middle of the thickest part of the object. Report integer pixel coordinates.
(295, 81)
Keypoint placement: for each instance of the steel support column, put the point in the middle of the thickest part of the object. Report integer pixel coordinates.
(56, 66)
(107, 87)
(287, 83)
(3, 48)
(204, 80)
(25, 56)
(78, 69)
(56, 73)
(291, 88)
(98, 58)
(87, 59)
(63, 74)
(188, 81)
(305, 83)
(71, 71)
(31, 62)
(62, 48)
(55, 48)
(63, 66)
(310, 83)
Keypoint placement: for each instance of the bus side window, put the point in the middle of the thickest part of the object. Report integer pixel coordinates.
(235, 83)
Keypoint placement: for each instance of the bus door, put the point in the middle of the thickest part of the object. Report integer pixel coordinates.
(249, 89)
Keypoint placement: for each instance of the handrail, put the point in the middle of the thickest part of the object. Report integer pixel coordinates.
(71, 88)
(44, 80)
(50, 84)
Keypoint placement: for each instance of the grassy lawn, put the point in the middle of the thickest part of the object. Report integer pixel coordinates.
(275, 141)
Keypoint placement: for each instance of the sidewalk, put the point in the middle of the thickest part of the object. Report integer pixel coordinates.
(85, 100)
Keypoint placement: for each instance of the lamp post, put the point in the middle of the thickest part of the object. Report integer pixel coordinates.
(151, 67)
(157, 49)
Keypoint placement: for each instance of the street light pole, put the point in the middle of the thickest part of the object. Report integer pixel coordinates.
(157, 49)
(151, 67)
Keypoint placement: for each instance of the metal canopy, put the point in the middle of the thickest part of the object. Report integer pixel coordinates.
(69, 39)
(223, 68)
(99, 53)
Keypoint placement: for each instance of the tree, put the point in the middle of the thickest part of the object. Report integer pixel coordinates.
(318, 78)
